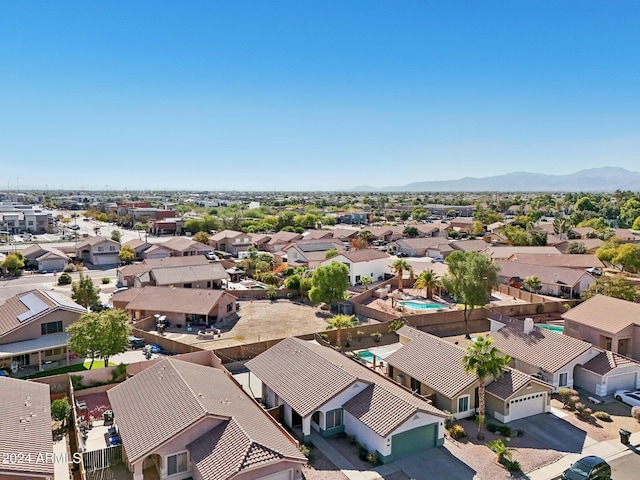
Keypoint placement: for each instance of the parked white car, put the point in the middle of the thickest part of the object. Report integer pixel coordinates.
(629, 397)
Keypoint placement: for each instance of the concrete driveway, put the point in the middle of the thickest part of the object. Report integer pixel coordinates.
(429, 464)
(554, 432)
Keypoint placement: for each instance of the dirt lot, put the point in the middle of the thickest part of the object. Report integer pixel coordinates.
(259, 320)
(599, 430)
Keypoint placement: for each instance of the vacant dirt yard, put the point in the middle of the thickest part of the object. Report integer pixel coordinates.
(259, 320)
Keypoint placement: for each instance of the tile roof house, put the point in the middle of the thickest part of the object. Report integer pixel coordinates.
(321, 389)
(367, 262)
(310, 253)
(127, 273)
(422, 247)
(607, 322)
(433, 367)
(179, 305)
(469, 245)
(25, 424)
(156, 251)
(184, 247)
(208, 276)
(32, 329)
(577, 261)
(138, 246)
(99, 250)
(45, 258)
(231, 241)
(550, 356)
(608, 372)
(202, 426)
(279, 240)
(557, 281)
(590, 244)
(499, 252)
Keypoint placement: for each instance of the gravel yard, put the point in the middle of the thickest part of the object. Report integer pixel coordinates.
(529, 451)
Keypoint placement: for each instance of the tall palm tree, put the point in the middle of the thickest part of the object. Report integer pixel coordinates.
(428, 281)
(486, 362)
(400, 266)
(339, 322)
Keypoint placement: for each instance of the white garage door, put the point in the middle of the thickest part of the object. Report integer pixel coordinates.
(527, 405)
(625, 381)
(286, 475)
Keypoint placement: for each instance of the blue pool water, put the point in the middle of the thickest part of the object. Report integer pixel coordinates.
(553, 328)
(366, 355)
(421, 305)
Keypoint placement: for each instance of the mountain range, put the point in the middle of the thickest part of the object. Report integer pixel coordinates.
(603, 179)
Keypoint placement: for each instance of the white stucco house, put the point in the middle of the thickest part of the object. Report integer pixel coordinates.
(364, 263)
(320, 389)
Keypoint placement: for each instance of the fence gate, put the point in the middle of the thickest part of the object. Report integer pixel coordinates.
(99, 459)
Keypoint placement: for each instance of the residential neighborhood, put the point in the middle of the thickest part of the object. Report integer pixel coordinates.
(364, 374)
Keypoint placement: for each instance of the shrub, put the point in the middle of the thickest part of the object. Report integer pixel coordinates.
(119, 373)
(457, 432)
(492, 427)
(64, 279)
(505, 431)
(583, 412)
(363, 453)
(305, 449)
(76, 381)
(572, 402)
(500, 449)
(511, 465)
(372, 457)
(604, 416)
(566, 394)
(70, 267)
(519, 432)
(272, 294)
(351, 439)
(106, 280)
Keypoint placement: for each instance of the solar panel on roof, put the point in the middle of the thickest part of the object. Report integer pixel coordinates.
(34, 304)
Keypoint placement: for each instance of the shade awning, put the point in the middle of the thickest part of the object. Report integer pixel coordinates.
(44, 342)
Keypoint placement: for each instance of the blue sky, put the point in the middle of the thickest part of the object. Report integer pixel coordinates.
(291, 95)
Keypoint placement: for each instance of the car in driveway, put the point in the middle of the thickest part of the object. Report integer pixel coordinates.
(136, 342)
(630, 397)
(588, 468)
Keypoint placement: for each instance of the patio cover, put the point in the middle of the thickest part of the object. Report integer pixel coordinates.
(44, 342)
(385, 350)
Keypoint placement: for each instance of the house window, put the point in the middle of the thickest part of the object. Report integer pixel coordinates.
(463, 403)
(229, 307)
(51, 327)
(177, 463)
(100, 249)
(112, 248)
(333, 419)
(563, 379)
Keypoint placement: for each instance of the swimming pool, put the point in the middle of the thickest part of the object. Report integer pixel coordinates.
(421, 305)
(365, 355)
(553, 328)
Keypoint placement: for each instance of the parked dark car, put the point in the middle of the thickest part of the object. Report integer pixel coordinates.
(136, 342)
(588, 468)
(100, 307)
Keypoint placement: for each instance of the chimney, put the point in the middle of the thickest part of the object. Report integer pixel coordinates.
(528, 325)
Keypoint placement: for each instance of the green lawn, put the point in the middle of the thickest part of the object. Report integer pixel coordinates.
(79, 367)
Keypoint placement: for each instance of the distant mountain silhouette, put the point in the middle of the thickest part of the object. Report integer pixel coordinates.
(604, 179)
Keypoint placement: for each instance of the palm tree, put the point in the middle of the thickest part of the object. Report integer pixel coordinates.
(400, 266)
(366, 281)
(396, 325)
(428, 281)
(486, 362)
(342, 321)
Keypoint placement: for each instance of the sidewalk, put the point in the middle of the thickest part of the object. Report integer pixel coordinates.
(609, 450)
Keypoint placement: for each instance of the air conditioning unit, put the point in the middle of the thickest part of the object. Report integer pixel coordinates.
(400, 378)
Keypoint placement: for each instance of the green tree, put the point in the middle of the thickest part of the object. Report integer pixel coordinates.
(400, 266)
(561, 226)
(470, 279)
(395, 325)
(14, 263)
(533, 284)
(486, 362)
(636, 224)
(64, 279)
(100, 334)
(616, 287)
(292, 282)
(330, 253)
(628, 257)
(428, 281)
(60, 410)
(608, 250)
(126, 254)
(366, 281)
(84, 292)
(585, 203)
(576, 248)
(329, 283)
(419, 214)
(411, 232)
(116, 236)
(629, 212)
(202, 237)
(478, 228)
(339, 322)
